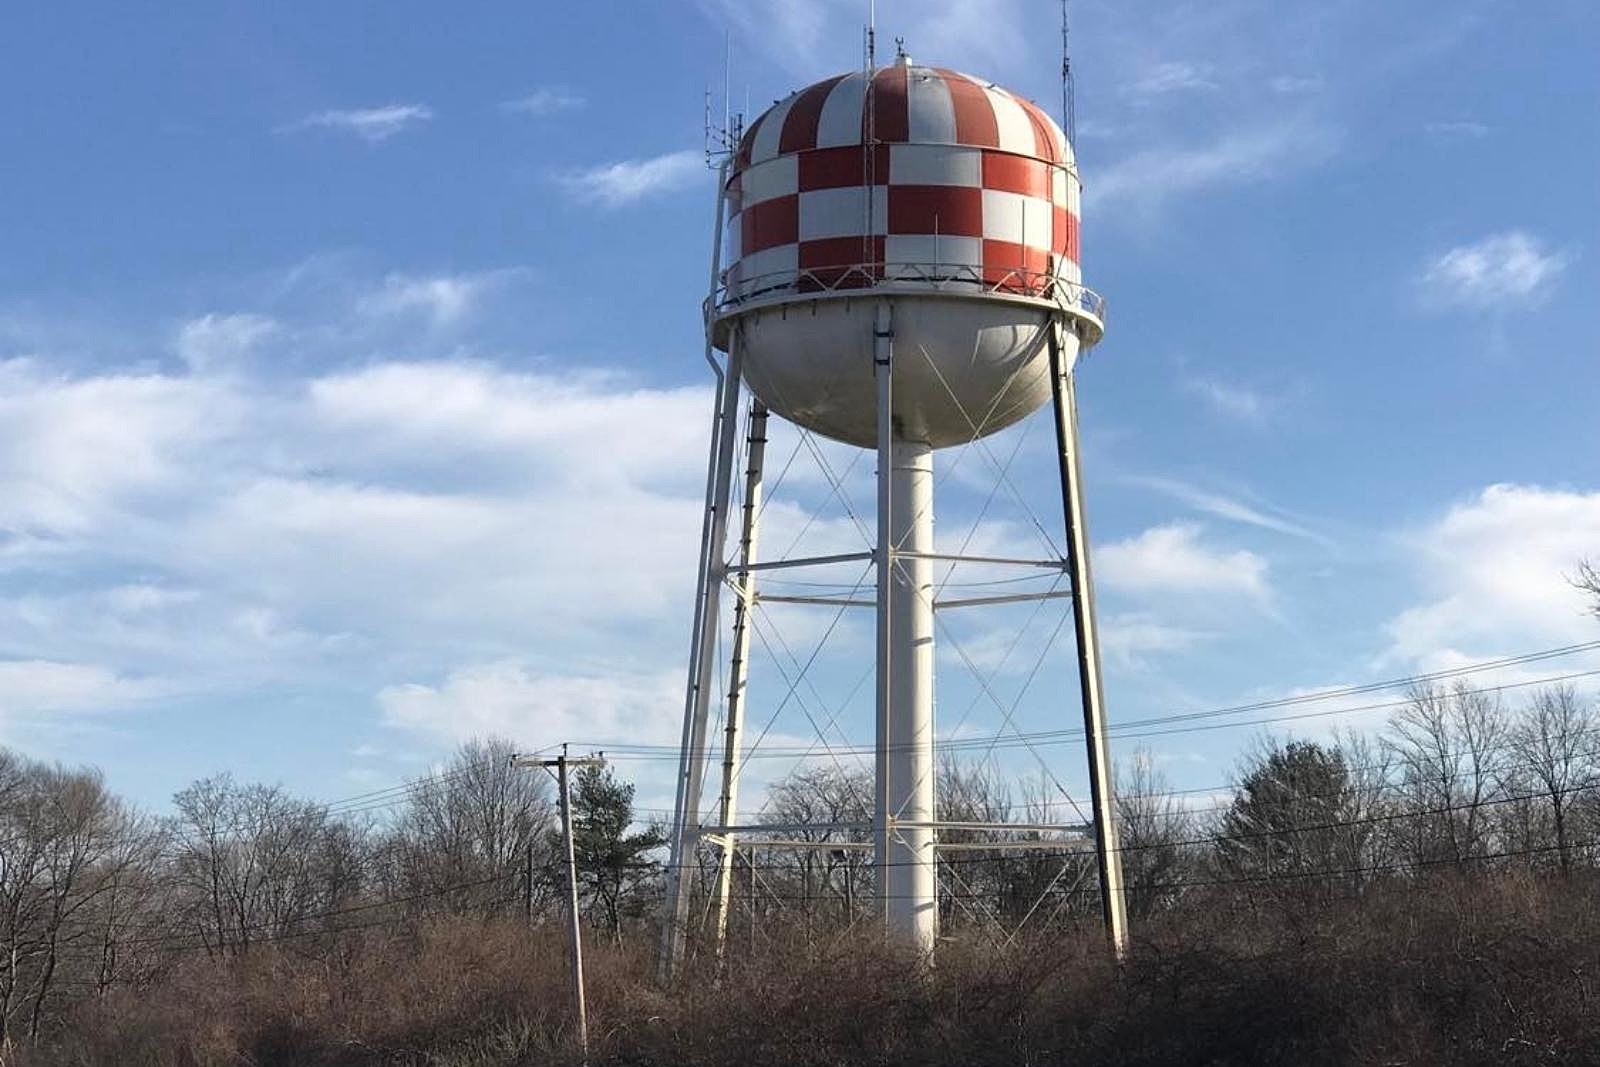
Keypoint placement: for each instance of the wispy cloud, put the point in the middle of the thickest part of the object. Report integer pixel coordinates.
(1165, 78)
(1238, 403)
(1154, 176)
(631, 180)
(808, 39)
(1132, 639)
(442, 299)
(221, 342)
(1295, 84)
(1459, 130)
(1230, 508)
(543, 102)
(1505, 270)
(371, 124)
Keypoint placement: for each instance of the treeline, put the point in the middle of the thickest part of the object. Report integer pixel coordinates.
(401, 910)
(96, 896)
(1456, 779)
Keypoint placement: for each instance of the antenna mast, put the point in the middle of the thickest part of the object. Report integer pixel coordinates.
(1069, 102)
(869, 143)
(723, 142)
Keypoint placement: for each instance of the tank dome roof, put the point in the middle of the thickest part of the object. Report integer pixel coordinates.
(910, 104)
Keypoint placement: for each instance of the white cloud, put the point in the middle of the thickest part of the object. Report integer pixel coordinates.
(1495, 569)
(1504, 270)
(1166, 78)
(544, 102)
(1131, 639)
(222, 342)
(561, 429)
(631, 180)
(73, 450)
(1172, 559)
(231, 525)
(442, 299)
(1155, 176)
(42, 687)
(371, 124)
(508, 699)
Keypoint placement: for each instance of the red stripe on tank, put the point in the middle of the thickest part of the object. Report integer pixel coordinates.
(800, 125)
(890, 105)
(952, 210)
(1015, 268)
(834, 168)
(841, 263)
(840, 252)
(1016, 174)
(1065, 234)
(769, 224)
(1045, 143)
(975, 121)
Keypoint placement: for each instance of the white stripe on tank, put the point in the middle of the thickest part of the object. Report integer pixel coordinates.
(770, 132)
(932, 112)
(840, 120)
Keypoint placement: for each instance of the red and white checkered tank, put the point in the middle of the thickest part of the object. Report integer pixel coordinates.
(967, 181)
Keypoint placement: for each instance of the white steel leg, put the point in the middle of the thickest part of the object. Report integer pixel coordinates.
(697, 701)
(1108, 854)
(738, 674)
(912, 882)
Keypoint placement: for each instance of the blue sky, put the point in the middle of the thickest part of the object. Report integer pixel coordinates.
(352, 395)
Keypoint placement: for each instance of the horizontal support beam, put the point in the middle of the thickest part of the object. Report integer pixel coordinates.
(999, 827)
(803, 561)
(1039, 844)
(792, 828)
(800, 845)
(804, 846)
(1003, 561)
(1010, 598)
(864, 827)
(827, 601)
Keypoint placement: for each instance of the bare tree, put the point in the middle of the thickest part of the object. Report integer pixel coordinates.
(470, 832)
(1450, 750)
(252, 862)
(1587, 580)
(974, 877)
(825, 796)
(1154, 829)
(1554, 745)
(1366, 843)
(63, 851)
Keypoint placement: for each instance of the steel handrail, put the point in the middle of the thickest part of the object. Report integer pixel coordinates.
(732, 295)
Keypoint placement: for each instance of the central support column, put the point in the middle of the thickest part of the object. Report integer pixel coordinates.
(911, 882)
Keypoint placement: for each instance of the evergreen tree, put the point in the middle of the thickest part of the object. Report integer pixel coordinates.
(615, 868)
(1290, 814)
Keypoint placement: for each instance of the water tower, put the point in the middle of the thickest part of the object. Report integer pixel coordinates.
(896, 268)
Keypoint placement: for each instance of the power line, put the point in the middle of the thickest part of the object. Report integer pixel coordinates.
(1126, 730)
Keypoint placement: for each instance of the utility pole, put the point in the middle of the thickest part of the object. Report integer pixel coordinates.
(527, 884)
(560, 764)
